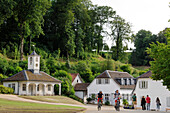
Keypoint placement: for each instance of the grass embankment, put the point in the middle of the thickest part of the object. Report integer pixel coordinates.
(55, 99)
(8, 106)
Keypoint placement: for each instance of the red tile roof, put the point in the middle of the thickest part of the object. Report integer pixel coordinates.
(74, 75)
(27, 75)
(81, 86)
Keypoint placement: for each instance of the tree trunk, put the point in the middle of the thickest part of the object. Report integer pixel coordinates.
(117, 47)
(22, 43)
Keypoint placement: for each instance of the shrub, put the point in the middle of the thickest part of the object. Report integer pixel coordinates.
(107, 103)
(6, 90)
(126, 68)
(89, 99)
(125, 102)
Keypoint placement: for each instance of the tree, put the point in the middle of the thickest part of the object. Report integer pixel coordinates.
(120, 33)
(29, 16)
(6, 9)
(160, 52)
(103, 16)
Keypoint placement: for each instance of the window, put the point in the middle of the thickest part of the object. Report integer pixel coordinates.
(38, 87)
(98, 81)
(130, 82)
(123, 96)
(23, 87)
(77, 81)
(36, 65)
(125, 81)
(107, 96)
(143, 84)
(13, 86)
(127, 97)
(49, 87)
(9, 85)
(168, 101)
(106, 81)
(30, 60)
(36, 59)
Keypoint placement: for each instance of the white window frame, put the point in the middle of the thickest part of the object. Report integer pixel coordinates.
(98, 81)
(143, 84)
(107, 81)
(49, 87)
(23, 87)
(107, 97)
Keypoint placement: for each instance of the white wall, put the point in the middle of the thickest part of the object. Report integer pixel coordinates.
(155, 89)
(79, 94)
(110, 88)
(75, 81)
(126, 91)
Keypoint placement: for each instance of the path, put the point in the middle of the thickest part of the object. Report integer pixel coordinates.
(90, 108)
(110, 109)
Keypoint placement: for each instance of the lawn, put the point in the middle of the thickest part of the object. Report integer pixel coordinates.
(8, 106)
(55, 99)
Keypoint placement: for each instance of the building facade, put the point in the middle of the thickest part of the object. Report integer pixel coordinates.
(32, 81)
(110, 81)
(147, 86)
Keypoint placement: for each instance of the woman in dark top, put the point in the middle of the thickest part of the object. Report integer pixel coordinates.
(143, 103)
(158, 103)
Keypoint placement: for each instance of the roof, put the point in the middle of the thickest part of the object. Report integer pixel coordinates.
(103, 75)
(114, 74)
(81, 86)
(117, 75)
(146, 75)
(26, 75)
(74, 75)
(33, 54)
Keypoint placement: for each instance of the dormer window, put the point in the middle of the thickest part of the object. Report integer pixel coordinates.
(30, 60)
(36, 59)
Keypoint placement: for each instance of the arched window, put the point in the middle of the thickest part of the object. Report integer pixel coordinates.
(30, 60)
(36, 65)
(36, 59)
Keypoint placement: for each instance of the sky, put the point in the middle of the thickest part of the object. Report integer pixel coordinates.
(152, 15)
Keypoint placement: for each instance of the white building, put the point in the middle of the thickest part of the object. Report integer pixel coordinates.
(146, 86)
(32, 81)
(79, 87)
(110, 81)
(76, 78)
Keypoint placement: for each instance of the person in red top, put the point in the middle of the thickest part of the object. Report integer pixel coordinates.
(148, 101)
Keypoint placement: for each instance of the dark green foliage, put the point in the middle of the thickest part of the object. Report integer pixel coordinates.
(160, 52)
(89, 99)
(62, 73)
(6, 90)
(142, 40)
(53, 65)
(126, 68)
(107, 102)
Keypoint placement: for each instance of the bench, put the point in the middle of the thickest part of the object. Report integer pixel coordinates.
(167, 109)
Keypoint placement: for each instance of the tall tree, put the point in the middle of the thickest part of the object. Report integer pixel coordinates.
(103, 16)
(160, 52)
(29, 16)
(120, 32)
(6, 9)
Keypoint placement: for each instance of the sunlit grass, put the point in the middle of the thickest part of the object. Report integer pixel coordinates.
(18, 106)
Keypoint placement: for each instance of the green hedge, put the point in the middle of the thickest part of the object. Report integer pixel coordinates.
(6, 90)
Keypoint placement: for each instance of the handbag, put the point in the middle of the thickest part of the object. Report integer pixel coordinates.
(160, 104)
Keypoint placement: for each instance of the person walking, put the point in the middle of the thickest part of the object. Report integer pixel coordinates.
(148, 101)
(158, 103)
(143, 103)
(134, 100)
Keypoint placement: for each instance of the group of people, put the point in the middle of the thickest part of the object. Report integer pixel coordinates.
(145, 102)
(116, 98)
